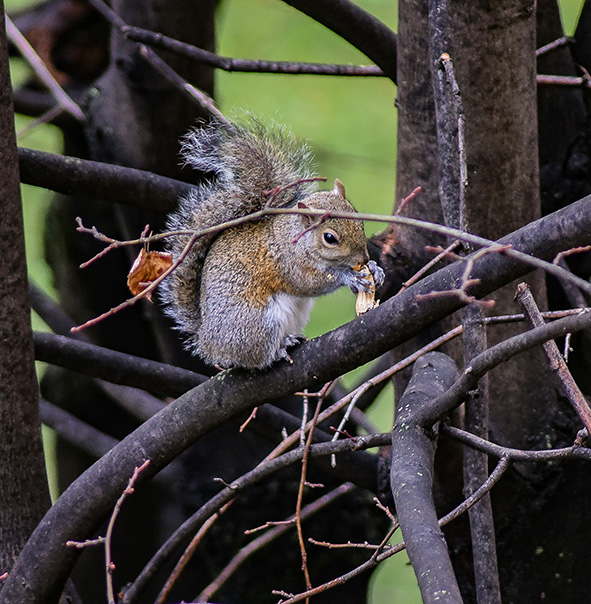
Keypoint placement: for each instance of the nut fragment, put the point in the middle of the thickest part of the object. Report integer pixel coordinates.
(366, 300)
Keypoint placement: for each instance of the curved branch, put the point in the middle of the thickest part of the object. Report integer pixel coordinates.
(411, 477)
(493, 356)
(74, 176)
(44, 565)
(357, 26)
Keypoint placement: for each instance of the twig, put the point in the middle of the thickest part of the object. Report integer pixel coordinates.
(559, 42)
(558, 80)
(495, 476)
(526, 300)
(481, 242)
(265, 539)
(574, 250)
(466, 282)
(298, 512)
(47, 117)
(347, 545)
(188, 553)
(262, 471)
(425, 269)
(495, 355)
(408, 198)
(147, 291)
(161, 66)
(107, 539)
(65, 101)
(575, 451)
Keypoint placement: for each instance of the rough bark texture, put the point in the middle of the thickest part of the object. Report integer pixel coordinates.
(24, 494)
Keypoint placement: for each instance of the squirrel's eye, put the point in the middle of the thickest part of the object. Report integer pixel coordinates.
(330, 237)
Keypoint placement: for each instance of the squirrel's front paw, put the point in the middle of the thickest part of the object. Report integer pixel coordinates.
(368, 278)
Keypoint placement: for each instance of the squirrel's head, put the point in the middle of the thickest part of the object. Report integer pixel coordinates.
(339, 242)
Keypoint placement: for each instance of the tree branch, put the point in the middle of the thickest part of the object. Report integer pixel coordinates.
(411, 477)
(82, 177)
(358, 27)
(137, 34)
(113, 366)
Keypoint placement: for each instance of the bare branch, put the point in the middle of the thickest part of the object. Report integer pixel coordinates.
(575, 451)
(265, 539)
(35, 61)
(85, 178)
(161, 66)
(137, 34)
(358, 27)
(526, 300)
(411, 477)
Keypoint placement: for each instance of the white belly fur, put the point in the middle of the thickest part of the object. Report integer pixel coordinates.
(290, 313)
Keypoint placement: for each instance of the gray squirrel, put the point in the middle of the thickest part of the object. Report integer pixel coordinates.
(243, 296)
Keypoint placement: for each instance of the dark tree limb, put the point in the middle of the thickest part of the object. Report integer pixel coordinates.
(261, 472)
(78, 433)
(137, 34)
(358, 27)
(113, 366)
(411, 477)
(493, 356)
(82, 177)
(43, 565)
(482, 530)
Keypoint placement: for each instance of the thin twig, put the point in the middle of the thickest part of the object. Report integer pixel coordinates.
(558, 43)
(107, 539)
(110, 567)
(408, 198)
(425, 269)
(263, 540)
(36, 62)
(575, 451)
(495, 476)
(558, 80)
(188, 553)
(298, 512)
(147, 291)
(526, 300)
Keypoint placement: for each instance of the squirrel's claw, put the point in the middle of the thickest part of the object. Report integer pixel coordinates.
(377, 272)
(362, 280)
(291, 340)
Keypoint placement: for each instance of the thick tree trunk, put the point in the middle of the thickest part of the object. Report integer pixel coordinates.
(24, 493)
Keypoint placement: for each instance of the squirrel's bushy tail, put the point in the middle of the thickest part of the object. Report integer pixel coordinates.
(251, 166)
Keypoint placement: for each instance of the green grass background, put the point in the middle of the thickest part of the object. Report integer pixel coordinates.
(350, 124)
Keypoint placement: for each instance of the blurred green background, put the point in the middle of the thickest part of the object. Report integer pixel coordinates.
(350, 124)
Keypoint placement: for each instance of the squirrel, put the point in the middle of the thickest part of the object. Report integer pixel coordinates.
(243, 296)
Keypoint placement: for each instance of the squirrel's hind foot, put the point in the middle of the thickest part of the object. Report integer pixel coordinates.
(291, 340)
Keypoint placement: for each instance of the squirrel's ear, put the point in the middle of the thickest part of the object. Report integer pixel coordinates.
(339, 188)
